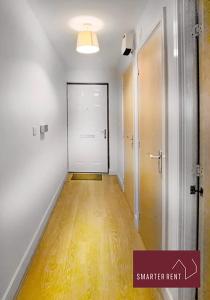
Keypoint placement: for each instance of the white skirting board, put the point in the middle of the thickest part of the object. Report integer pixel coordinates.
(121, 183)
(136, 221)
(119, 178)
(22, 267)
(166, 294)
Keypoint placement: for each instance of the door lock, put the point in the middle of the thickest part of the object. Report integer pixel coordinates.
(194, 190)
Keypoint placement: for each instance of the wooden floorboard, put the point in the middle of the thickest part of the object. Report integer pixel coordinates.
(86, 250)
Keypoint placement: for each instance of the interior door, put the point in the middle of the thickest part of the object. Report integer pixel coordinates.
(151, 128)
(204, 234)
(128, 136)
(87, 128)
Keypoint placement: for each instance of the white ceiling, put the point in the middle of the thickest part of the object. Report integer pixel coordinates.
(118, 16)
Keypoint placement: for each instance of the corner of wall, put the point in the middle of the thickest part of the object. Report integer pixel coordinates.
(121, 182)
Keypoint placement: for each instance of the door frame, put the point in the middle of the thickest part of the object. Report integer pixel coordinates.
(188, 118)
(130, 65)
(162, 24)
(189, 136)
(108, 128)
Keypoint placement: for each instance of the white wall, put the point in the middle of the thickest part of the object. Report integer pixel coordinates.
(111, 77)
(32, 90)
(150, 17)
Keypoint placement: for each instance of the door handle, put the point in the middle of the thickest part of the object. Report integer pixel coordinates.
(159, 157)
(154, 156)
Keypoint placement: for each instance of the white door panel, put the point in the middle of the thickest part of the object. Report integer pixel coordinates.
(87, 128)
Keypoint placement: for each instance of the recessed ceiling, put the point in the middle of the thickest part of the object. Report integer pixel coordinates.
(118, 16)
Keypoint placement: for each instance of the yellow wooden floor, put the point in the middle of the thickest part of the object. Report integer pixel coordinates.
(86, 250)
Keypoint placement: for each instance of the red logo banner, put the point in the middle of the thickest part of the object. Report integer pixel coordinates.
(180, 269)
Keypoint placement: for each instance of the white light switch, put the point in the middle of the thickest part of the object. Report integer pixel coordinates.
(34, 131)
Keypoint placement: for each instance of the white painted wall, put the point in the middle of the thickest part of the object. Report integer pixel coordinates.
(32, 90)
(111, 77)
(150, 17)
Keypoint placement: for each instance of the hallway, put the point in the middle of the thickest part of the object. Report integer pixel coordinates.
(119, 88)
(86, 250)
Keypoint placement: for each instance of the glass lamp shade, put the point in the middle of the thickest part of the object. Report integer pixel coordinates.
(87, 42)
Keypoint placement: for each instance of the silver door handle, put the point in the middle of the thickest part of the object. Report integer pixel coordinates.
(160, 160)
(105, 133)
(154, 156)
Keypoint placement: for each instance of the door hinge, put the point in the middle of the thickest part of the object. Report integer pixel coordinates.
(197, 30)
(194, 190)
(198, 171)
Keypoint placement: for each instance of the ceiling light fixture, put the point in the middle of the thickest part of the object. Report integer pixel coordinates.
(77, 23)
(87, 41)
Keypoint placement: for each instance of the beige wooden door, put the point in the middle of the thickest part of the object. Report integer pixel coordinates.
(128, 136)
(205, 148)
(151, 103)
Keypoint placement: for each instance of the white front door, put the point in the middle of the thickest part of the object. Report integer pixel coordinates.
(87, 128)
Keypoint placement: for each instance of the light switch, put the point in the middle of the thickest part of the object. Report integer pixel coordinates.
(34, 129)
